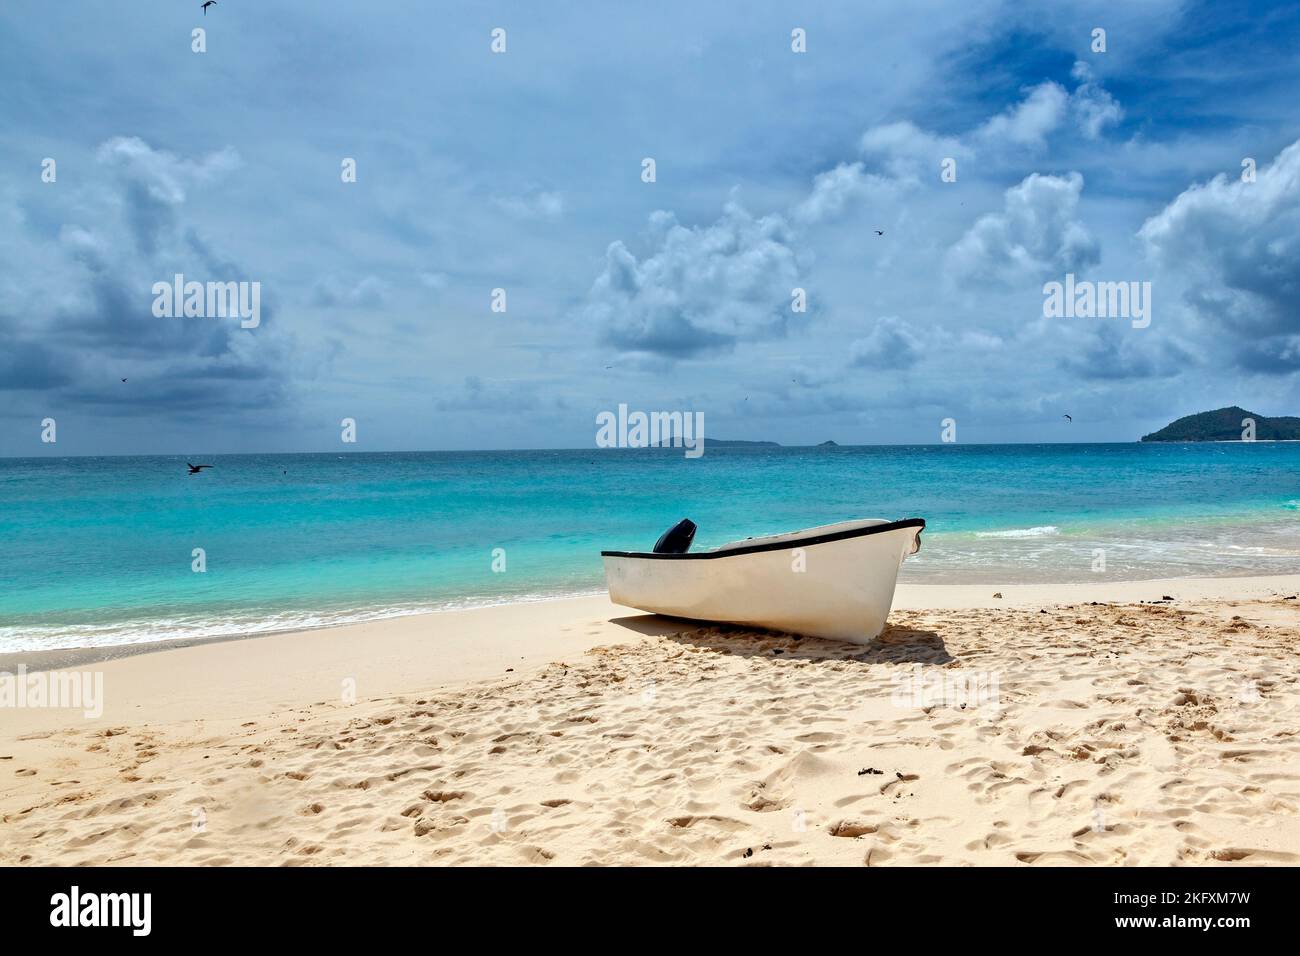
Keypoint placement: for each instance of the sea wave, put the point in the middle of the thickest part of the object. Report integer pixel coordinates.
(1042, 531)
(218, 626)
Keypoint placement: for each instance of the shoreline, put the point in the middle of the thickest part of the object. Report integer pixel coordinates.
(77, 654)
(908, 596)
(224, 677)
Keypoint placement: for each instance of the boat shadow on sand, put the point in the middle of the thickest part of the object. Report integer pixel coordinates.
(897, 644)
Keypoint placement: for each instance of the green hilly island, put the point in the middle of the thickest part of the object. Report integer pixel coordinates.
(1224, 424)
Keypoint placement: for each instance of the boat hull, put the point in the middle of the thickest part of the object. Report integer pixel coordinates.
(835, 582)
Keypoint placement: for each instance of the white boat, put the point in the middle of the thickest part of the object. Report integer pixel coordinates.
(835, 581)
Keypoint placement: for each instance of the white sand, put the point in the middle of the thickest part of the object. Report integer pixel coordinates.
(1130, 733)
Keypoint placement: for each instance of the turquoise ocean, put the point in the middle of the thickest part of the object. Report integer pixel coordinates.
(98, 551)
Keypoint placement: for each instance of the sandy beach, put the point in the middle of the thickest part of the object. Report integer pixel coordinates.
(1159, 725)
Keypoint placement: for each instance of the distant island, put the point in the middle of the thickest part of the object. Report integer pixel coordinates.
(734, 443)
(1225, 424)
(720, 443)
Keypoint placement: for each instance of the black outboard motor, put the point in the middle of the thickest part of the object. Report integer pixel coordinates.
(677, 539)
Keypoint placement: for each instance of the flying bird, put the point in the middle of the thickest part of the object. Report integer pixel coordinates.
(124, 380)
(208, 3)
(1067, 418)
(195, 469)
(880, 232)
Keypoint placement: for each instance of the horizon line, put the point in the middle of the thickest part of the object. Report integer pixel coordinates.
(747, 443)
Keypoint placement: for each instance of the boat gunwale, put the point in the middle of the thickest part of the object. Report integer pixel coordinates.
(774, 545)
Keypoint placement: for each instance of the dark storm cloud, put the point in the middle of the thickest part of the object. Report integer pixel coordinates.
(1235, 244)
(27, 365)
(891, 345)
(1119, 353)
(97, 325)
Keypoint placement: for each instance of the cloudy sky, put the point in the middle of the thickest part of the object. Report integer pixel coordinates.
(523, 171)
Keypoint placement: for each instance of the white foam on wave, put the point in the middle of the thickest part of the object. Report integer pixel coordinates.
(1042, 531)
(163, 630)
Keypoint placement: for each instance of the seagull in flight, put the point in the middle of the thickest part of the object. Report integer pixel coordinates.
(1067, 418)
(208, 3)
(195, 469)
(880, 232)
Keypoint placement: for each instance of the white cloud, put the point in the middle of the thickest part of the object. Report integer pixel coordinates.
(904, 149)
(1093, 107)
(1030, 121)
(164, 174)
(1034, 236)
(541, 204)
(833, 191)
(702, 289)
